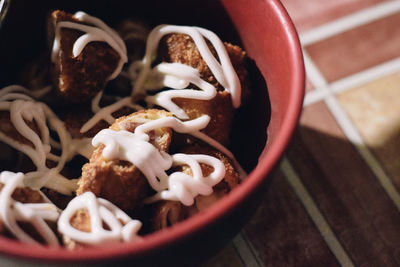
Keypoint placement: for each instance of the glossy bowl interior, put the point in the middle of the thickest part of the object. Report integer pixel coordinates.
(262, 128)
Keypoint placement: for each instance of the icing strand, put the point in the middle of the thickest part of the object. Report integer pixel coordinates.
(214, 143)
(18, 90)
(136, 148)
(183, 187)
(24, 109)
(12, 211)
(122, 227)
(96, 102)
(180, 76)
(105, 113)
(101, 32)
(223, 71)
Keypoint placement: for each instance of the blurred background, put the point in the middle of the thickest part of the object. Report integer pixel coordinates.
(335, 199)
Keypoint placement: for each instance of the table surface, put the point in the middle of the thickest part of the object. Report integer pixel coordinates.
(336, 198)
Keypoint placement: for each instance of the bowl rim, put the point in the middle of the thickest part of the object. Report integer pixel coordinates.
(191, 226)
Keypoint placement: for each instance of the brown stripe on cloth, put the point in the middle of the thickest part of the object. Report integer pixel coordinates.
(362, 216)
(282, 233)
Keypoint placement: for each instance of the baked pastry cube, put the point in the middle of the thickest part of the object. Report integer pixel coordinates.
(79, 78)
(120, 181)
(166, 213)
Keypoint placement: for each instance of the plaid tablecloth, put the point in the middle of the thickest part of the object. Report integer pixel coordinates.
(336, 199)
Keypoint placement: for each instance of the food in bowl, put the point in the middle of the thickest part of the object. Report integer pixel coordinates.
(149, 134)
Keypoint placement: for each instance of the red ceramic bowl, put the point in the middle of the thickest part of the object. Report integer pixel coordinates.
(262, 128)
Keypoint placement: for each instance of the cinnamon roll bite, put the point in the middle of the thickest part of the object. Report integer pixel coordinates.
(112, 175)
(86, 53)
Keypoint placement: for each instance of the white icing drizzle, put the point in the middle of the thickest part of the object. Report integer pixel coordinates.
(99, 32)
(22, 111)
(105, 113)
(23, 108)
(136, 148)
(83, 146)
(214, 143)
(179, 76)
(12, 211)
(96, 102)
(223, 71)
(22, 92)
(100, 211)
(183, 187)
(193, 128)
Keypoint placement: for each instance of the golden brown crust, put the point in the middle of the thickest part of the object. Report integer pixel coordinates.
(167, 213)
(26, 195)
(240, 63)
(79, 79)
(181, 48)
(219, 109)
(231, 179)
(160, 138)
(119, 181)
(80, 221)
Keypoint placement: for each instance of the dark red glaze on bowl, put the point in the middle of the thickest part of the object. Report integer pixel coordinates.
(269, 37)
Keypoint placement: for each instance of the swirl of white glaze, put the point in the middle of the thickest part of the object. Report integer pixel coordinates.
(100, 210)
(223, 71)
(193, 127)
(23, 108)
(19, 92)
(22, 111)
(99, 32)
(179, 76)
(12, 211)
(183, 187)
(136, 148)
